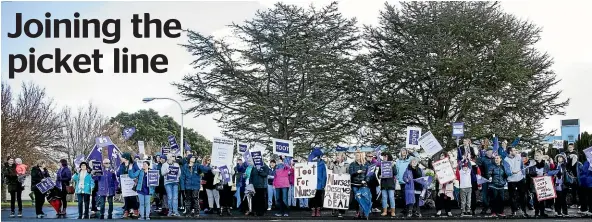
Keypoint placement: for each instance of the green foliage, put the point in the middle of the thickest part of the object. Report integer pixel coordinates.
(287, 81)
(435, 63)
(151, 127)
(584, 141)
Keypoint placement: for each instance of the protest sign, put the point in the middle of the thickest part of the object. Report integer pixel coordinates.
(173, 173)
(305, 180)
(544, 187)
(224, 172)
(458, 129)
(283, 147)
(141, 148)
(153, 177)
(222, 152)
(337, 191)
(444, 171)
(588, 153)
(173, 143)
(558, 144)
(257, 158)
(242, 147)
(429, 143)
(127, 186)
(165, 150)
(45, 185)
(386, 169)
(97, 169)
(413, 134)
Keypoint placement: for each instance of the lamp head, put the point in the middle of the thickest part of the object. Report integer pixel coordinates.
(147, 99)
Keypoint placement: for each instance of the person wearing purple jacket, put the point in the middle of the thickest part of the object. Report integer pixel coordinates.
(63, 177)
(107, 182)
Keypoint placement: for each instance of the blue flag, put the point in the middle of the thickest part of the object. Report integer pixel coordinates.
(103, 141)
(552, 172)
(115, 156)
(95, 154)
(341, 149)
(186, 145)
(425, 181)
(173, 143)
(128, 133)
(481, 180)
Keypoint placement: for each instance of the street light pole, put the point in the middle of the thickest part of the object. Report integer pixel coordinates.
(182, 146)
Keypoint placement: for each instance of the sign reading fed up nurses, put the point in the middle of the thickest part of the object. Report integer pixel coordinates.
(283, 147)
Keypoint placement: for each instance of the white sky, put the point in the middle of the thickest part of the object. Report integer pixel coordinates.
(565, 36)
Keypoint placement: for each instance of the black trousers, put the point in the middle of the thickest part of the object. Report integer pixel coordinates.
(131, 203)
(443, 202)
(191, 201)
(83, 202)
(402, 198)
(181, 199)
(585, 199)
(226, 197)
(317, 200)
(517, 194)
(539, 207)
(63, 197)
(475, 190)
(94, 200)
(574, 190)
(260, 201)
(497, 200)
(39, 201)
(16, 196)
(561, 202)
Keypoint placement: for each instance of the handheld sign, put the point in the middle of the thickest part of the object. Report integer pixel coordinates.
(558, 144)
(337, 191)
(173, 173)
(127, 186)
(429, 143)
(443, 170)
(458, 129)
(305, 180)
(97, 168)
(242, 147)
(413, 135)
(153, 178)
(141, 148)
(103, 141)
(257, 158)
(45, 185)
(283, 147)
(165, 150)
(386, 169)
(173, 142)
(222, 152)
(225, 174)
(544, 187)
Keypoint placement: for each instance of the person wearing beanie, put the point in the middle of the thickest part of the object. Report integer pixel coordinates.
(84, 184)
(467, 178)
(63, 177)
(316, 203)
(128, 167)
(171, 172)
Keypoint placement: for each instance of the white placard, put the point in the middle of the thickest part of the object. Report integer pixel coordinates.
(141, 148)
(127, 186)
(444, 171)
(413, 135)
(544, 187)
(430, 144)
(337, 191)
(222, 152)
(305, 180)
(283, 147)
(558, 144)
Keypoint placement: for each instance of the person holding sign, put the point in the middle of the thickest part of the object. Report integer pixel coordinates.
(498, 175)
(413, 188)
(171, 171)
(561, 200)
(541, 168)
(339, 167)
(107, 182)
(127, 168)
(357, 170)
(38, 173)
(144, 189)
(445, 192)
(257, 176)
(190, 181)
(281, 183)
(83, 185)
(387, 183)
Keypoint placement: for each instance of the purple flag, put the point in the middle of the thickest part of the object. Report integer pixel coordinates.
(128, 132)
(95, 154)
(378, 153)
(370, 170)
(103, 141)
(187, 146)
(552, 172)
(481, 180)
(115, 156)
(425, 181)
(78, 160)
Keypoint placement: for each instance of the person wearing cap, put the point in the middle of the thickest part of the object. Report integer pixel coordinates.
(485, 162)
(540, 168)
(190, 182)
(171, 183)
(128, 167)
(516, 181)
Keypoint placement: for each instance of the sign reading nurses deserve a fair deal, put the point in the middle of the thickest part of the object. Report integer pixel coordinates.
(283, 147)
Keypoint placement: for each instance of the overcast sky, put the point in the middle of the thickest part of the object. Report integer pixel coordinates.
(566, 37)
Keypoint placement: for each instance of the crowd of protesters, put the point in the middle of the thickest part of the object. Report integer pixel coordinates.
(485, 172)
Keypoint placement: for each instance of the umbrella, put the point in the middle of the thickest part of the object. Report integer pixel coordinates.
(364, 198)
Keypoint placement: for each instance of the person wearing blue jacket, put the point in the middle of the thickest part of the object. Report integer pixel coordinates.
(316, 203)
(107, 187)
(485, 162)
(127, 167)
(83, 185)
(144, 191)
(190, 182)
(401, 165)
(498, 177)
(585, 179)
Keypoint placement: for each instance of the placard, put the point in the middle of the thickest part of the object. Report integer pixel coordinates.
(544, 187)
(224, 172)
(127, 186)
(588, 153)
(386, 169)
(242, 147)
(173, 174)
(153, 177)
(141, 148)
(222, 152)
(283, 147)
(165, 150)
(45, 185)
(558, 144)
(413, 135)
(337, 191)
(429, 143)
(458, 129)
(305, 180)
(97, 169)
(257, 158)
(444, 171)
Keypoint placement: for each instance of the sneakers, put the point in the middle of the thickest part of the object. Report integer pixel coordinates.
(286, 215)
(438, 213)
(493, 215)
(278, 215)
(20, 213)
(269, 208)
(450, 214)
(502, 215)
(12, 214)
(39, 216)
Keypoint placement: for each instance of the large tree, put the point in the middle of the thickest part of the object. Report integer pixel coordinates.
(31, 125)
(434, 63)
(287, 81)
(154, 130)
